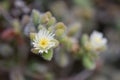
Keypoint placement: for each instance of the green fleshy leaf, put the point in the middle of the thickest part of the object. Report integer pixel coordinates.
(88, 63)
(48, 56)
(62, 59)
(85, 39)
(36, 17)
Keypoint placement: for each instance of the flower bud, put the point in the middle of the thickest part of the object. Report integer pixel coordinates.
(59, 32)
(35, 51)
(44, 19)
(41, 27)
(48, 14)
(56, 42)
(60, 25)
(67, 43)
(51, 21)
(51, 29)
(74, 29)
(32, 36)
(85, 42)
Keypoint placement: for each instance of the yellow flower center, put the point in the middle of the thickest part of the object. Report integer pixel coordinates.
(44, 42)
(98, 40)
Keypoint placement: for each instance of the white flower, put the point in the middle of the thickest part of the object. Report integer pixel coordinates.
(97, 41)
(43, 41)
